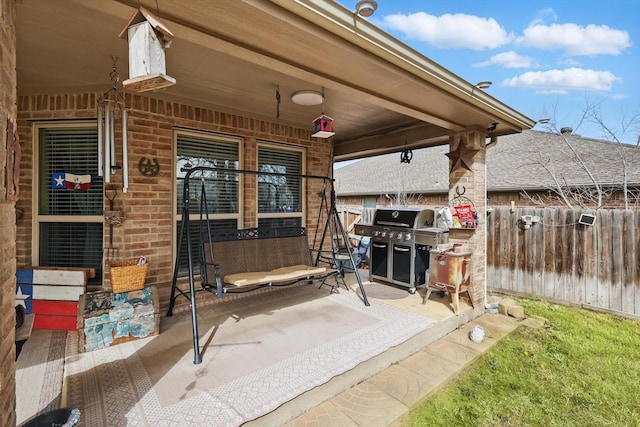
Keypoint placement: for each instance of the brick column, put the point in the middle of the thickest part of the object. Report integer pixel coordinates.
(8, 195)
(473, 184)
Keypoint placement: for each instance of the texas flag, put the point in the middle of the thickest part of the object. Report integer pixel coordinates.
(70, 181)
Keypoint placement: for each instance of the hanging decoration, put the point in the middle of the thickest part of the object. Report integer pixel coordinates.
(148, 38)
(69, 181)
(461, 157)
(150, 167)
(406, 156)
(277, 102)
(13, 156)
(112, 109)
(323, 124)
(463, 210)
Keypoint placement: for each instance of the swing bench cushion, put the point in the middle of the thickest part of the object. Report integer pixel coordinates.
(255, 262)
(283, 274)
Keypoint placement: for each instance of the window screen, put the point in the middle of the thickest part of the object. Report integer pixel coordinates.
(280, 222)
(76, 244)
(198, 236)
(70, 222)
(279, 193)
(221, 188)
(70, 151)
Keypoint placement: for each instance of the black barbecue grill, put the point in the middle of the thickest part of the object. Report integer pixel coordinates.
(400, 242)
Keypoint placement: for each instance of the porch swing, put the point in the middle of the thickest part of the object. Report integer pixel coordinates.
(235, 261)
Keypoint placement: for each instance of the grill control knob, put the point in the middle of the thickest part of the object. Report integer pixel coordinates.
(383, 233)
(407, 236)
(392, 234)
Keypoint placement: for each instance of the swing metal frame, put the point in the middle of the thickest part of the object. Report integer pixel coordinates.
(333, 226)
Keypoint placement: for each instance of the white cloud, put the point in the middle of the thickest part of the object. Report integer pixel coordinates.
(569, 62)
(552, 92)
(543, 16)
(457, 31)
(575, 40)
(563, 80)
(510, 59)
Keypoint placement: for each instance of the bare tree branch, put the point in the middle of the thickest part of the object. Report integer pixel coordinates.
(592, 195)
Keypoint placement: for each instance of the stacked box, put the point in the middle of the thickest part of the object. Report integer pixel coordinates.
(51, 294)
(106, 318)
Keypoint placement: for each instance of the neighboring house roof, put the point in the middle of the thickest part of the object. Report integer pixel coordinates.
(523, 161)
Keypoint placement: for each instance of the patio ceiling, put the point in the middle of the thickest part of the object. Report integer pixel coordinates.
(231, 55)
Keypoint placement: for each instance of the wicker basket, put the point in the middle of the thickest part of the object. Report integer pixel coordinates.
(127, 275)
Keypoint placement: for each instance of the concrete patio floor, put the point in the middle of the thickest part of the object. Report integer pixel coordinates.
(381, 390)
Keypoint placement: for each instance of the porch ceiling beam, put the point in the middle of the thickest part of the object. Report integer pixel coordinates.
(418, 135)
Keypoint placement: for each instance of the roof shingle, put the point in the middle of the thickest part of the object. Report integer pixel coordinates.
(519, 161)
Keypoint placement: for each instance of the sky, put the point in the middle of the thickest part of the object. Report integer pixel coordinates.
(546, 59)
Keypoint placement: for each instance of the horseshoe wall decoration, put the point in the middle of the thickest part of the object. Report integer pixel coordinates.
(148, 167)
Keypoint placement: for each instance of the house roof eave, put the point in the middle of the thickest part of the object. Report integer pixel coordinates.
(347, 25)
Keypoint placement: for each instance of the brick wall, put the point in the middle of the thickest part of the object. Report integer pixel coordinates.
(7, 216)
(148, 206)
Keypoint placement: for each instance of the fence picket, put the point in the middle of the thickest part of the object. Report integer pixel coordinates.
(629, 259)
(591, 266)
(548, 279)
(615, 301)
(604, 258)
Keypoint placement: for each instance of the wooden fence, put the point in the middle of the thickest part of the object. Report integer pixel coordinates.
(559, 259)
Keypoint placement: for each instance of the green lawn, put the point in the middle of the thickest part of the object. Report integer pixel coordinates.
(581, 369)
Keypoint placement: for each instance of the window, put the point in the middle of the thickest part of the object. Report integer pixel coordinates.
(280, 198)
(69, 198)
(368, 209)
(369, 202)
(222, 189)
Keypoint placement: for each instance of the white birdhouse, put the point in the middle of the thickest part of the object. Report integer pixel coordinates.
(148, 38)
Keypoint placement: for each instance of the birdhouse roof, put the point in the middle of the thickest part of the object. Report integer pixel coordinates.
(322, 117)
(142, 15)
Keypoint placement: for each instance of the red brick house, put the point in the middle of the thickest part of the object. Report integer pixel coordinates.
(236, 65)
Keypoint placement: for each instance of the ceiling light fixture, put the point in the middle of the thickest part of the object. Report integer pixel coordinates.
(365, 8)
(307, 97)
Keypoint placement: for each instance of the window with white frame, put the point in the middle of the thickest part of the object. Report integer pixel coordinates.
(281, 198)
(68, 197)
(217, 192)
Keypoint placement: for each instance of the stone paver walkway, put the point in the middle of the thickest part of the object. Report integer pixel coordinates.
(385, 398)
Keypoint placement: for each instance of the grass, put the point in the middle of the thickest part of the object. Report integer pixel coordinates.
(581, 369)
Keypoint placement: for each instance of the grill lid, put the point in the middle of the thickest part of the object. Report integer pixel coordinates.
(410, 218)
